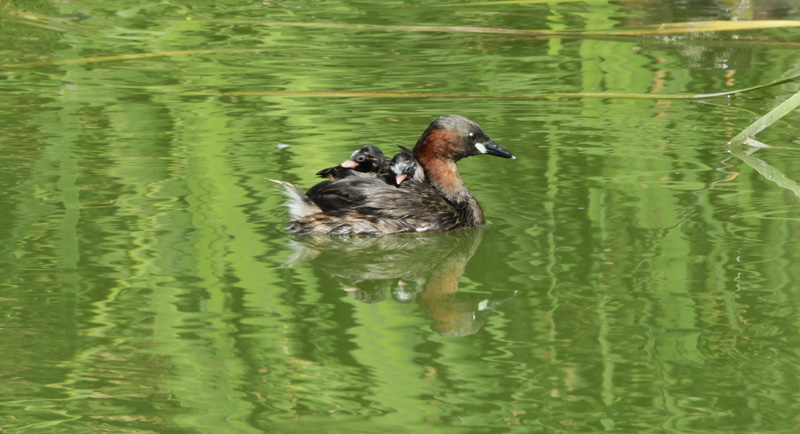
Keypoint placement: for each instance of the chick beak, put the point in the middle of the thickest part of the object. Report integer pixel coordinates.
(400, 178)
(349, 164)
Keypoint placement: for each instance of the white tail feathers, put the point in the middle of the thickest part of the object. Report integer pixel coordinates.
(299, 204)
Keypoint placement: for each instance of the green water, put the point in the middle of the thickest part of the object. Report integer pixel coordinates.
(634, 277)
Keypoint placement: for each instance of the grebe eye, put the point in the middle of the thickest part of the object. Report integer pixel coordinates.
(471, 137)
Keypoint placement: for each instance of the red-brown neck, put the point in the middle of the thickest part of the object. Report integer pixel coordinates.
(443, 175)
(437, 153)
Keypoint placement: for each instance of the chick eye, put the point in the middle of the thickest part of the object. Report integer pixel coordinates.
(361, 158)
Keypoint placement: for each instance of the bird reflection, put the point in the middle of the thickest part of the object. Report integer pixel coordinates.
(423, 268)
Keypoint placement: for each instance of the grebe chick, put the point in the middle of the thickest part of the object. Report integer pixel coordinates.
(367, 159)
(404, 167)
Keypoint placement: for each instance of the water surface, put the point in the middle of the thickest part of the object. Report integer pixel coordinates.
(633, 277)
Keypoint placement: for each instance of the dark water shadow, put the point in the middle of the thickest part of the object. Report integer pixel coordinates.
(421, 268)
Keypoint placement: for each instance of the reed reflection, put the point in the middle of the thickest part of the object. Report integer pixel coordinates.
(408, 268)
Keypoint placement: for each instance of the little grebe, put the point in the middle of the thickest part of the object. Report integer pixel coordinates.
(366, 204)
(366, 159)
(404, 165)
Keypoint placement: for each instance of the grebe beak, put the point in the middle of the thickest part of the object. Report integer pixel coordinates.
(400, 178)
(492, 148)
(349, 164)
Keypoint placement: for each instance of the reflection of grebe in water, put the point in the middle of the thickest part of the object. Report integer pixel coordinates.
(424, 268)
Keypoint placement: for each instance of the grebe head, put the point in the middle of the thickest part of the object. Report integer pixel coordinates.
(366, 159)
(404, 166)
(454, 137)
